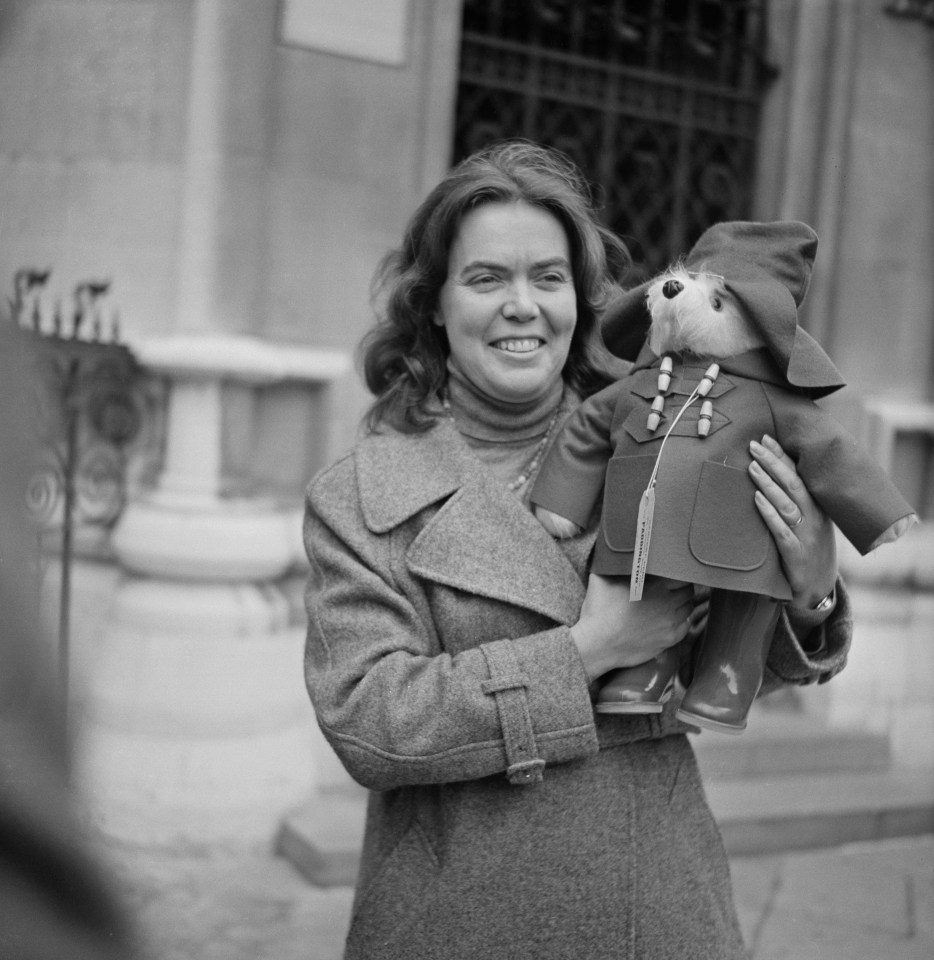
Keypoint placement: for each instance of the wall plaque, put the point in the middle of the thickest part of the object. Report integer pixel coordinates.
(377, 32)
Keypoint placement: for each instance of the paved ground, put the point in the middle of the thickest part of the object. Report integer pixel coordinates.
(862, 902)
(231, 908)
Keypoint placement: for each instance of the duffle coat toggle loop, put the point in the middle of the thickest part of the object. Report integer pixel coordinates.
(703, 388)
(658, 404)
(706, 411)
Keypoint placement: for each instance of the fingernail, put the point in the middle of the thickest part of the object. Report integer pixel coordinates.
(755, 468)
(769, 442)
(756, 448)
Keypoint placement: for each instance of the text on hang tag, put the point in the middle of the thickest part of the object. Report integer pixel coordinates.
(640, 557)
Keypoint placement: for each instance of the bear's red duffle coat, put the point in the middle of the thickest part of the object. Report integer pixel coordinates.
(706, 527)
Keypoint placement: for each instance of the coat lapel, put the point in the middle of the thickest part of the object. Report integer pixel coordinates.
(482, 540)
(399, 474)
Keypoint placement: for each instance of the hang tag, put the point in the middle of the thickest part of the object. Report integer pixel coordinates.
(640, 557)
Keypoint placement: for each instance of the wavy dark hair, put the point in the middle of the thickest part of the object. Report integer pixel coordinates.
(404, 356)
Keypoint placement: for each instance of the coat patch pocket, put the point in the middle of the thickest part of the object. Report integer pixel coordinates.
(626, 480)
(726, 528)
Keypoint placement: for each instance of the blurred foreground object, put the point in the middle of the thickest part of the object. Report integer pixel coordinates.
(80, 391)
(54, 902)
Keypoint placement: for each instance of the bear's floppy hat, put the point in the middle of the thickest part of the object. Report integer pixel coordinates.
(767, 267)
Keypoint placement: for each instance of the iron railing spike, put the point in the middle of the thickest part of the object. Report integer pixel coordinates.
(89, 402)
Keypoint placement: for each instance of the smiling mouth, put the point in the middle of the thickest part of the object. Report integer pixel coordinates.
(518, 346)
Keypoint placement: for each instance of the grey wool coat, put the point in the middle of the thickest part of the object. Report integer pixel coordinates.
(505, 819)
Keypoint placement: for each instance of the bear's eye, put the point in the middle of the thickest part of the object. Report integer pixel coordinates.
(716, 303)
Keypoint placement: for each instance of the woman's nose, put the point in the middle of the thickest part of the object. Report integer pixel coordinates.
(520, 304)
(672, 288)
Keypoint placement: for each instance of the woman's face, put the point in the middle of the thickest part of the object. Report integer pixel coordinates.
(509, 305)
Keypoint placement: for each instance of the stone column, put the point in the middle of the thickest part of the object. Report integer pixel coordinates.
(222, 241)
(198, 731)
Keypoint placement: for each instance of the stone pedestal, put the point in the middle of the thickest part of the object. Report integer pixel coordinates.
(197, 730)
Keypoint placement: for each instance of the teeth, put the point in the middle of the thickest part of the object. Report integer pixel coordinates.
(517, 346)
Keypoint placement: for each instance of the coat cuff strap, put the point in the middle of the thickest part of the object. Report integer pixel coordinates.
(509, 685)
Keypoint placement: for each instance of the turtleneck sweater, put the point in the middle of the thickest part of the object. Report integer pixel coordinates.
(505, 436)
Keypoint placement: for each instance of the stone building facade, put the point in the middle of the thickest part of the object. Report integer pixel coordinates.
(237, 168)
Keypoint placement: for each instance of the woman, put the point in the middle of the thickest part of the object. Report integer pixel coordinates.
(454, 648)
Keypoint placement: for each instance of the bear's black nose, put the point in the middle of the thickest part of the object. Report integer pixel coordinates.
(672, 288)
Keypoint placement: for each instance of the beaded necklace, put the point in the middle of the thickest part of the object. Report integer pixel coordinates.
(533, 464)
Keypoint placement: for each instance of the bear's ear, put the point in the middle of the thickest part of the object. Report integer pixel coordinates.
(626, 321)
(772, 308)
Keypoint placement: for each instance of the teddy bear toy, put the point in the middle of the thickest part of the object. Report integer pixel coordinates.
(668, 446)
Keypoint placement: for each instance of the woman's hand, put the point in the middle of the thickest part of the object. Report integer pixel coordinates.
(802, 531)
(615, 632)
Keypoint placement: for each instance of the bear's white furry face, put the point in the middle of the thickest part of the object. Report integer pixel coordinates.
(702, 317)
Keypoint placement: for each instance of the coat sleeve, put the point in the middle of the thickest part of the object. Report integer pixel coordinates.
(396, 708)
(573, 473)
(852, 489)
(810, 647)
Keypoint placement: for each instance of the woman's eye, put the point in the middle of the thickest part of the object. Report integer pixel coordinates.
(553, 279)
(482, 280)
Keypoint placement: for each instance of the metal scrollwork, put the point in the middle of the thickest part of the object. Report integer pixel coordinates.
(99, 485)
(44, 491)
(85, 414)
(550, 11)
(922, 10)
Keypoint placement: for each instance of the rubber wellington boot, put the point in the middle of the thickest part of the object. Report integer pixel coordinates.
(730, 662)
(645, 688)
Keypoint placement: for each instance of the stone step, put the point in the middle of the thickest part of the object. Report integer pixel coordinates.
(323, 838)
(777, 742)
(763, 814)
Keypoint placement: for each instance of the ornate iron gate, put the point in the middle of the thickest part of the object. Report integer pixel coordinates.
(86, 408)
(657, 101)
